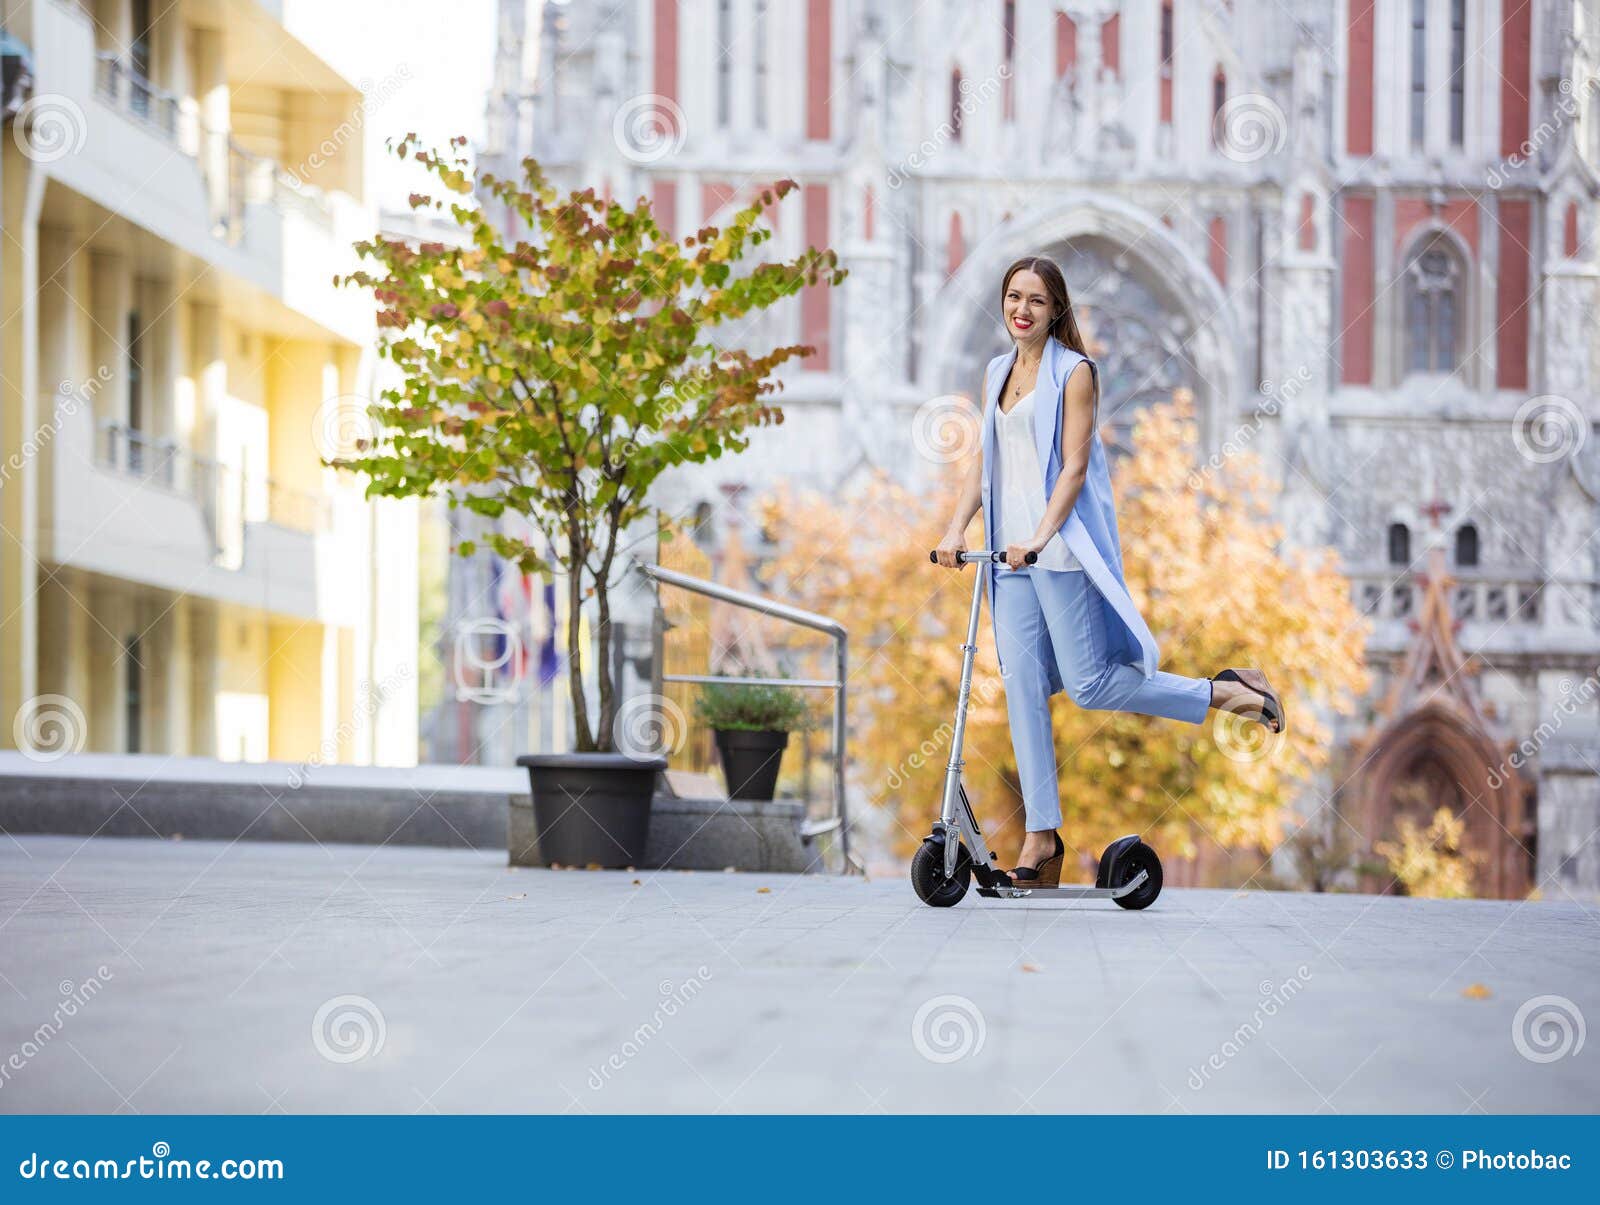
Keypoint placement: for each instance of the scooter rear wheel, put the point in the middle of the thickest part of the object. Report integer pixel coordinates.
(927, 875)
(1140, 857)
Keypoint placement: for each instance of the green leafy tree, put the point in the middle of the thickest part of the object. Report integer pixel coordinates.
(559, 375)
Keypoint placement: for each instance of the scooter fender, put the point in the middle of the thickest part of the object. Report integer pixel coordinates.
(1112, 858)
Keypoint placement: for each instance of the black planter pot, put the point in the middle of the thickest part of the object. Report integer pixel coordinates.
(750, 760)
(588, 808)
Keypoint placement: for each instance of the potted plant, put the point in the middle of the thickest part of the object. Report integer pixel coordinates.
(752, 723)
(556, 374)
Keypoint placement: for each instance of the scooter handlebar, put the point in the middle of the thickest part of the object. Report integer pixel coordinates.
(974, 556)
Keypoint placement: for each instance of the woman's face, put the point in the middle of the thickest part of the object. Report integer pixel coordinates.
(1027, 308)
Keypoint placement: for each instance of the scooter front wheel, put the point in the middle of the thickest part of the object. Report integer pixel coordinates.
(927, 875)
(1140, 857)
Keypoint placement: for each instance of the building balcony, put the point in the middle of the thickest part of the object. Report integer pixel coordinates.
(139, 508)
(144, 154)
(1500, 614)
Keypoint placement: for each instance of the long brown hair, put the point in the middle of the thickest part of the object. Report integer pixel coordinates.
(1065, 326)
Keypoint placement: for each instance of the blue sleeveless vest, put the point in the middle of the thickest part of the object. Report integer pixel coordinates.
(1090, 531)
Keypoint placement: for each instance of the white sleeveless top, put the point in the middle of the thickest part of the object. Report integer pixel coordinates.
(1021, 493)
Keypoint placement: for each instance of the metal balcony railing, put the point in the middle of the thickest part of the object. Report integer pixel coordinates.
(238, 176)
(223, 493)
(839, 821)
(259, 180)
(135, 95)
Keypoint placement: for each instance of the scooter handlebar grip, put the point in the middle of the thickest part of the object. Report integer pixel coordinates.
(1030, 558)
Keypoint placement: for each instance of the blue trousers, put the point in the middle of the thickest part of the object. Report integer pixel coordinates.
(1042, 613)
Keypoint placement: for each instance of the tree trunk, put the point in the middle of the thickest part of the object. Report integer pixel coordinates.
(583, 739)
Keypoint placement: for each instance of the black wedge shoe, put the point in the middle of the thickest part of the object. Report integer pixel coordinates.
(1047, 873)
(1271, 713)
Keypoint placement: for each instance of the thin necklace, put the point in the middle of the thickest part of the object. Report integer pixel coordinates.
(1016, 389)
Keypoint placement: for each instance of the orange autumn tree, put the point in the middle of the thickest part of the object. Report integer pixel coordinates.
(1207, 567)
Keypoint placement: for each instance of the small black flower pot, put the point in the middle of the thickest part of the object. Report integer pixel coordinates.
(588, 809)
(750, 761)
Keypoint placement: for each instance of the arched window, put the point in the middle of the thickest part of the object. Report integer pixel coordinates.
(955, 105)
(1399, 544)
(1467, 545)
(1433, 292)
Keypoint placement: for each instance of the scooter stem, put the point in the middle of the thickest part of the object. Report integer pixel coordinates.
(983, 558)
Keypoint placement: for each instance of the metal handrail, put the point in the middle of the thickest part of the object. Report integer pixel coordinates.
(789, 614)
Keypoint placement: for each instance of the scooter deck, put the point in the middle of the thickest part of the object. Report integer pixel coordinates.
(1065, 891)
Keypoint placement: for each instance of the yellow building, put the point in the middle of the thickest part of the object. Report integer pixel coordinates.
(179, 573)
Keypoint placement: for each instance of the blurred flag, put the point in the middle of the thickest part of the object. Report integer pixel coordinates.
(545, 634)
(512, 591)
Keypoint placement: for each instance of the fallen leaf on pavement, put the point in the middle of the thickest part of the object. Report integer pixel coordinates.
(1476, 991)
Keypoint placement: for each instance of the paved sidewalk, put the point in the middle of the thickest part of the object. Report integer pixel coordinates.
(251, 978)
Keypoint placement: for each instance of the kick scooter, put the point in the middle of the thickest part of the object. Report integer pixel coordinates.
(954, 853)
